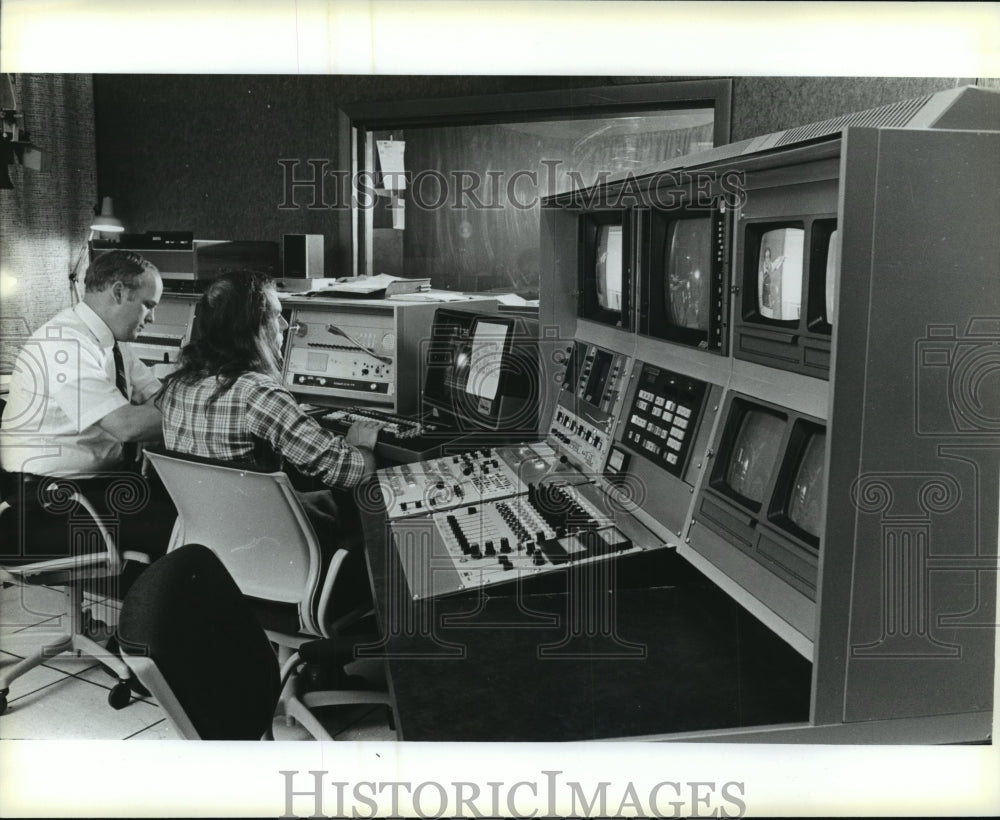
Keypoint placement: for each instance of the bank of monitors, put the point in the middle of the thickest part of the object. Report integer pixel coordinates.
(682, 290)
(788, 273)
(605, 267)
(481, 372)
(766, 489)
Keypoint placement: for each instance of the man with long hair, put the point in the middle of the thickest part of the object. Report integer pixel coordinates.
(225, 401)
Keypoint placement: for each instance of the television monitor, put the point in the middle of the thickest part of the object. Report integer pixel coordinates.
(481, 371)
(831, 271)
(682, 277)
(786, 293)
(485, 359)
(780, 263)
(609, 267)
(808, 487)
(604, 277)
(766, 492)
(597, 377)
(754, 454)
(688, 295)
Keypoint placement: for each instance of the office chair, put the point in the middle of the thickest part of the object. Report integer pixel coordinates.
(254, 523)
(62, 513)
(193, 640)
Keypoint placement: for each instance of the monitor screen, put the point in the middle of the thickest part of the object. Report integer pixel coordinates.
(486, 359)
(805, 504)
(754, 454)
(779, 274)
(447, 357)
(597, 378)
(481, 371)
(609, 267)
(688, 265)
(832, 266)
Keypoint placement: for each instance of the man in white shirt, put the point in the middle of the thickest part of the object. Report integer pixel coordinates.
(78, 398)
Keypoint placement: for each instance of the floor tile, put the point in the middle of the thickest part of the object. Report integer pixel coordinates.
(22, 606)
(74, 708)
(37, 678)
(30, 640)
(161, 730)
(100, 676)
(66, 697)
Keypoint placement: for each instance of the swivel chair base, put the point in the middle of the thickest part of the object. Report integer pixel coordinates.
(75, 640)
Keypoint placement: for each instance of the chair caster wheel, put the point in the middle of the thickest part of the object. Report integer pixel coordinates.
(3, 701)
(120, 696)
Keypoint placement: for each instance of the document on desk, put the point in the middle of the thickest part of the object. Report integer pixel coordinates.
(373, 287)
(433, 296)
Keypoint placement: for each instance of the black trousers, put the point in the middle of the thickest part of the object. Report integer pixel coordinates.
(44, 521)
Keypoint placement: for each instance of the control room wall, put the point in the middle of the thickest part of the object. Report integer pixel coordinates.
(201, 152)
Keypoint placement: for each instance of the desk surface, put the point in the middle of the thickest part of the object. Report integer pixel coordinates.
(575, 662)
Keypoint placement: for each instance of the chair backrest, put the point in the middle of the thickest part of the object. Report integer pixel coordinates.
(191, 638)
(254, 523)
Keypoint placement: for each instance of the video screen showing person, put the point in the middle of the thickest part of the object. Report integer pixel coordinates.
(805, 503)
(609, 267)
(688, 266)
(832, 268)
(754, 454)
(779, 274)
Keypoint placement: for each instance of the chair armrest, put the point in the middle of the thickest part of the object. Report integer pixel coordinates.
(326, 592)
(113, 558)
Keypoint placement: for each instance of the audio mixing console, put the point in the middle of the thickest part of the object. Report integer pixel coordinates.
(492, 516)
(449, 481)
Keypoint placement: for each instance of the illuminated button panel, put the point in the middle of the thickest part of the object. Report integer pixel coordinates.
(584, 443)
(662, 421)
(589, 402)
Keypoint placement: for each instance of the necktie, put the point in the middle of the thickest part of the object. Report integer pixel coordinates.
(130, 450)
(120, 381)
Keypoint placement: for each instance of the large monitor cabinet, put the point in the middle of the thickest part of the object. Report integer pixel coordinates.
(893, 378)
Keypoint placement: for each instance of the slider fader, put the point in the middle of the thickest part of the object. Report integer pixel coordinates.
(492, 516)
(442, 483)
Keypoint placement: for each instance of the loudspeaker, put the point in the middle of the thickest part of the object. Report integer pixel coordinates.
(302, 256)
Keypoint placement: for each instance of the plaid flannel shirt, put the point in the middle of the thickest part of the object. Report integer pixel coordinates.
(255, 411)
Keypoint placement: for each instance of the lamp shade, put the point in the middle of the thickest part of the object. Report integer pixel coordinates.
(106, 221)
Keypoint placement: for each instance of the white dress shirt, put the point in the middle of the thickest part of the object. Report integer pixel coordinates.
(63, 384)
